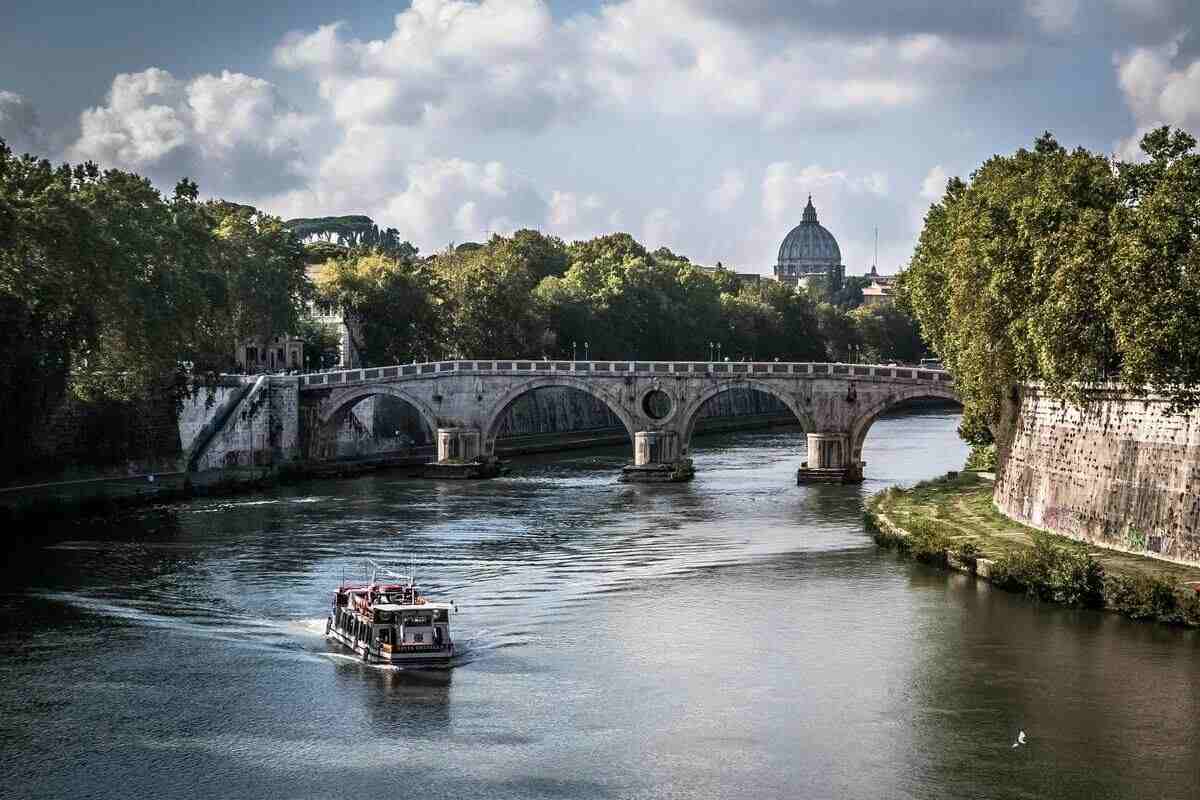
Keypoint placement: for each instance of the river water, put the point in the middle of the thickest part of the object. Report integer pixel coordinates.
(737, 636)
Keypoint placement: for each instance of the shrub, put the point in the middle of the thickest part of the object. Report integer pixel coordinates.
(928, 542)
(1062, 573)
(982, 458)
(1142, 597)
(968, 552)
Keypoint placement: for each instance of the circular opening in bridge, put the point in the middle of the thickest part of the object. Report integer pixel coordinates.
(656, 404)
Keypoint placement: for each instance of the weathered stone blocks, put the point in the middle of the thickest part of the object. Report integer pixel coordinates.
(1122, 472)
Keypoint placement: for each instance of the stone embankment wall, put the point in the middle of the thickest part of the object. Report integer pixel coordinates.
(1121, 473)
(260, 431)
(81, 440)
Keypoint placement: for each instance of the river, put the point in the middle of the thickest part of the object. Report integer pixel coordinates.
(737, 636)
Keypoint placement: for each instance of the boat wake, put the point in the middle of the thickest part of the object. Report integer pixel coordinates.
(203, 622)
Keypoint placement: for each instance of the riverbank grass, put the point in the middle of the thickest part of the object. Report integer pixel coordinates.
(951, 522)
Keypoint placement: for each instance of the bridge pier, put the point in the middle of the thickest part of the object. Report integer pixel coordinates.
(657, 458)
(830, 460)
(460, 455)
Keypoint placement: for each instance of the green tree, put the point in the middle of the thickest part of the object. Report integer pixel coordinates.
(322, 344)
(838, 333)
(263, 265)
(1012, 277)
(888, 334)
(489, 301)
(1156, 269)
(850, 295)
(545, 256)
(393, 308)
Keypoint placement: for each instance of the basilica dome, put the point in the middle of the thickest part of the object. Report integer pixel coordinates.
(809, 249)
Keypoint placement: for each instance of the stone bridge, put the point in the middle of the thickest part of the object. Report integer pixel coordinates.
(658, 402)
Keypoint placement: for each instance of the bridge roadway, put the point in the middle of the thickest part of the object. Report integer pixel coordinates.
(658, 402)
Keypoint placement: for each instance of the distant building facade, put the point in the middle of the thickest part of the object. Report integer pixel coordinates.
(879, 291)
(331, 317)
(280, 353)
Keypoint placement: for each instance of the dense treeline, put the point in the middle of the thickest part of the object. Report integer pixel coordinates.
(1064, 267)
(355, 230)
(533, 296)
(107, 288)
(112, 292)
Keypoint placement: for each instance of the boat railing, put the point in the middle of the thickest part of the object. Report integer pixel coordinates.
(378, 570)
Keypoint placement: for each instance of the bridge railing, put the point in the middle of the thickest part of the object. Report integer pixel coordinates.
(744, 369)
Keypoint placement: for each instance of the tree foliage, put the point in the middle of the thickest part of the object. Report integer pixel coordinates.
(108, 289)
(354, 231)
(1065, 268)
(392, 307)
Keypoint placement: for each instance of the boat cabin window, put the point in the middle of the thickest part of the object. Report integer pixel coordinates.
(441, 615)
(418, 637)
(385, 636)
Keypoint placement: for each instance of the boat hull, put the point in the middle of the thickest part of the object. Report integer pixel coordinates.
(407, 656)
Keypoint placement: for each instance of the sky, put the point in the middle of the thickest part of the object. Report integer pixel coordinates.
(699, 125)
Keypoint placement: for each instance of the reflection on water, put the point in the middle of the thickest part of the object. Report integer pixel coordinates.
(734, 636)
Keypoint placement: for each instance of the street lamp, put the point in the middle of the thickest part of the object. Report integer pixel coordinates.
(710, 352)
(587, 352)
(574, 351)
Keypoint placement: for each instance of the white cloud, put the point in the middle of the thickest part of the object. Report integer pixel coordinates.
(934, 184)
(408, 104)
(508, 64)
(495, 64)
(231, 132)
(19, 126)
(1158, 91)
(727, 193)
(465, 199)
(785, 186)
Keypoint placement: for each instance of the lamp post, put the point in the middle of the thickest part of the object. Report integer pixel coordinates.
(710, 352)
(587, 351)
(574, 351)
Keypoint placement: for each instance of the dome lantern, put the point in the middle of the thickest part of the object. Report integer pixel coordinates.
(810, 211)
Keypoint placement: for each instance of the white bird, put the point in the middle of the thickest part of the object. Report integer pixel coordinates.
(1020, 739)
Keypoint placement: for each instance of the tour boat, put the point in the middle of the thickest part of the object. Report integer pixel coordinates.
(387, 621)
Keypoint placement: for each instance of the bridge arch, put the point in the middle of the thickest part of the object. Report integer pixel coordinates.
(492, 420)
(691, 414)
(866, 417)
(324, 445)
(343, 399)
